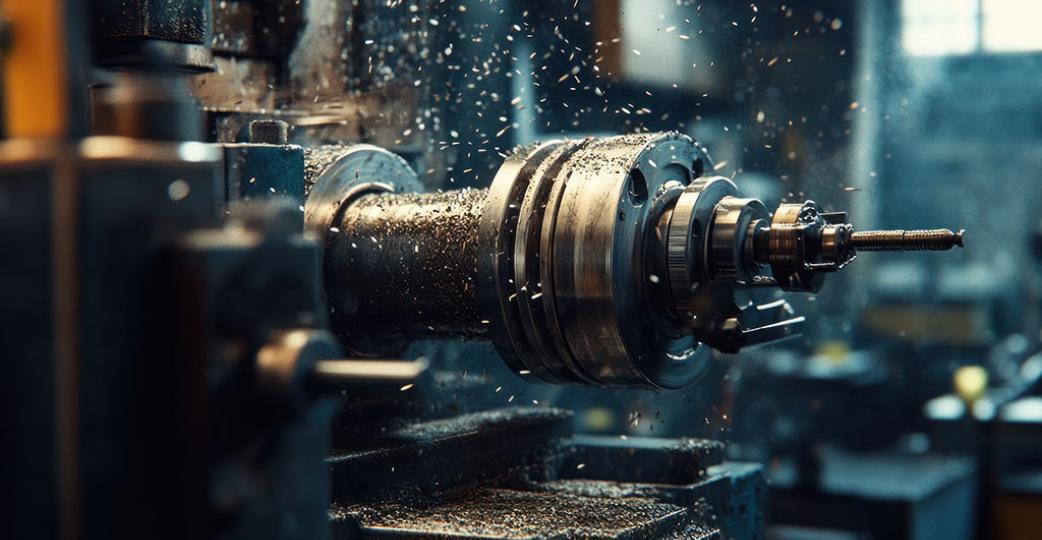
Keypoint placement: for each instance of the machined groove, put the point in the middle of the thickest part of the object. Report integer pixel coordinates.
(497, 237)
(533, 283)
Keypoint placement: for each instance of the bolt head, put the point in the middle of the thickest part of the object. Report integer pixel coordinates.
(269, 132)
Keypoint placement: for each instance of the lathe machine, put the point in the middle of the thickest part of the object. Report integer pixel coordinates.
(227, 223)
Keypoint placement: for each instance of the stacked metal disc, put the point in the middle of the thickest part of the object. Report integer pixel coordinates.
(572, 274)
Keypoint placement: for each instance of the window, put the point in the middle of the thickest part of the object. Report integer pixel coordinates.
(950, 27)
(1011, 25)
(939, 27)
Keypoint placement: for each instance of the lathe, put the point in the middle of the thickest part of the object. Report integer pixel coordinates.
(227, 223)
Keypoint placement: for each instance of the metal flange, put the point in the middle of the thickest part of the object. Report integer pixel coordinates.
(336, 175)
(564, 271)
(688, 238)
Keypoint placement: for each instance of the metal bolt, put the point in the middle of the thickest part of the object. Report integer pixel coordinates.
(269, 132)
(900, 240)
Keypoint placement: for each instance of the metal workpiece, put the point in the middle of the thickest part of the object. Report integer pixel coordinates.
(710, 253)
(803, 244)
(900, 240)
(567, 283)
(689, 225)
(732, 255)
(605, 261)
(404, 265)
(334, 175)
(334, 178)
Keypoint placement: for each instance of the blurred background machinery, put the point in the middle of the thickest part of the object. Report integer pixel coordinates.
(233, 224)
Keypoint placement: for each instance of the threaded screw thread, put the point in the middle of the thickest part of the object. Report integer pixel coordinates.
(900, 240)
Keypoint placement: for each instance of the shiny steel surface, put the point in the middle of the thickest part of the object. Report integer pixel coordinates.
(599, 268)
(566, 235)
(586, 243)
(731, 220)
(836, 244)
(496, 239)
(337, 176)
(604, 261)
(787, 248)
(689, 229)
(535, 294)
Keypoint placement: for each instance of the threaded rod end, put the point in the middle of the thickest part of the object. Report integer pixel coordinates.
(900, 240)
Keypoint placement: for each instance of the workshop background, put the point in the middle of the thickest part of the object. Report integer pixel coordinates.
(908, 113)
(909, 407)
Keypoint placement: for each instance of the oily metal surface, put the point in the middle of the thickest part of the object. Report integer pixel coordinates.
(688, 235)
(582, 252)
(505, 513)
(556, 261)
(334, 175)
(787, 250)
(497, 236)
(600, 274)
(533, 271)
(730, 253)
(407, 264)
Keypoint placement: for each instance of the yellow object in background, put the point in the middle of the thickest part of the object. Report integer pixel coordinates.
(598, 419)
(970, 383)
(836, 352)
(35, 69)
